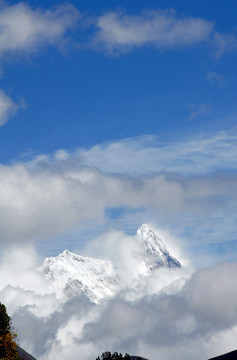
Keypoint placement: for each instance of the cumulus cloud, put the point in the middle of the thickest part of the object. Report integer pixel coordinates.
(14, 260)
(163, 321)
(58, 331)
(22, 285)
(23, 29)
(124, 257)
(31, 301)
(201, 315)
(126, 253)
(163, 315)
(118, 32)
(212, 294)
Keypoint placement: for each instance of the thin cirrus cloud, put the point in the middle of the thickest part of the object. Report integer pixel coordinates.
(24, 29)
(146, 155)
(198, 110)
(223, 43)
(118, 32)
(215, 78)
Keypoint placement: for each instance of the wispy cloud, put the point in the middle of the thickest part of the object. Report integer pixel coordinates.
(198, 110)
(7, 107)
(214, 77)
(223, 43)
(146, 155)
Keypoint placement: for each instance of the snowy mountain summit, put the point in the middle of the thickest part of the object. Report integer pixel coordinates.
(156, 253)
(70, 274)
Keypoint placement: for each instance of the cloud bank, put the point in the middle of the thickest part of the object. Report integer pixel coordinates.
(183, 184)
(41, 203)
(167, 315)
(200, 315)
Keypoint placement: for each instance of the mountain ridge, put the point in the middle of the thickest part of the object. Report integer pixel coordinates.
(70, 274)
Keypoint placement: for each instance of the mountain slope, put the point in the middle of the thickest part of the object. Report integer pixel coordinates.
(155, 251)
(228, 356)
(24, 354)
(72, 274)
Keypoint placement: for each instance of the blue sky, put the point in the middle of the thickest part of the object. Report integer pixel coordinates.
(88, 96)
(114, 114)
(133, 93)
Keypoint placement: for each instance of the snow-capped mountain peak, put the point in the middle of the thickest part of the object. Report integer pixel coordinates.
(71, 274)
(157, 254)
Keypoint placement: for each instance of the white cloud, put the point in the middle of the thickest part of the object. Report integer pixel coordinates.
(158, 324)
(212, 295)
(202, 315)
(15, 260)
(118, 32)
(52, 194)
(166, 322)
(127, 260)
(200, 347)
(39, 203)
(23, 29)
(7, 108)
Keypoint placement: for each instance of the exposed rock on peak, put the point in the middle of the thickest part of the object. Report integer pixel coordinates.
(156, 252)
